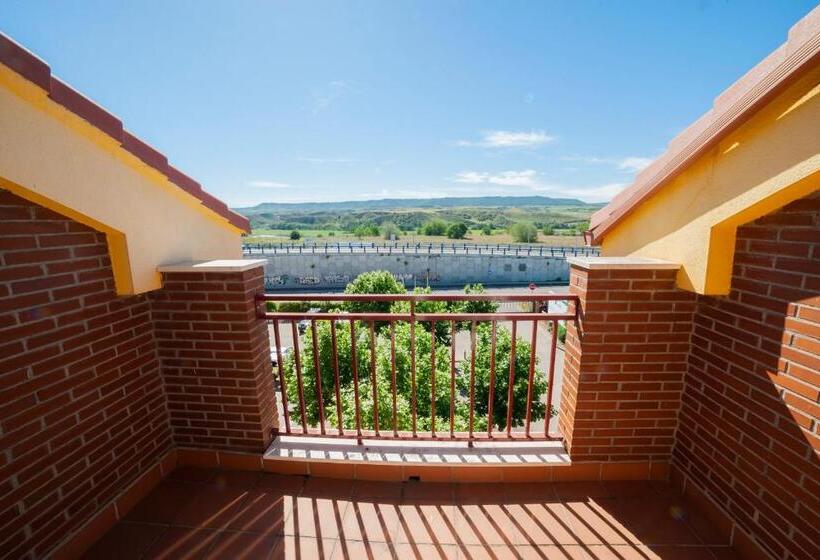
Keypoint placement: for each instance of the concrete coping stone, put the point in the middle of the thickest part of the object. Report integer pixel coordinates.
(621, 263)
(220, 265)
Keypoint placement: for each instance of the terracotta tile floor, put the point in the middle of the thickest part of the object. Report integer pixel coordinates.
(197, 513)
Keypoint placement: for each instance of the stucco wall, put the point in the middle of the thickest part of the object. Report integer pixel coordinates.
(307, 272)
(54, 158)
(763, 165)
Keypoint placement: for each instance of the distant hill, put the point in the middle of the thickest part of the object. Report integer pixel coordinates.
(409, 203)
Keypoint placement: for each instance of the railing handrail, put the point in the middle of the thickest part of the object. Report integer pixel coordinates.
(416, 297)
(306, 368)
(483, 249)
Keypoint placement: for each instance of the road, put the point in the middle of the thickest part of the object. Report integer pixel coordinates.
(524, 333)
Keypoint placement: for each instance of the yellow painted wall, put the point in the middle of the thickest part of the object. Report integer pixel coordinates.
(771, 160)
(56, 159)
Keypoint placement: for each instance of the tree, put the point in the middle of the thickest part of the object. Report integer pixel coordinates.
(487, 229)
(383, 371)
(549, 229)
(390, 231)
(502, 378)
(434, 227)
(373, 282)
(366, 230)
(523, 232)
(295, 235)
(457, 231)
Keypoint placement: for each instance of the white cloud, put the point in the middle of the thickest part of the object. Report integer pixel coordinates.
(323, 98)
(595, 193)
(509, 139)
(322, 161)
(525, 178)
(634, 164)
(263, 184)
(630, 164)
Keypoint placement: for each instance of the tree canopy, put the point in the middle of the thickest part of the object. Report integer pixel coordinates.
(523, 232)
(373, 346)
(457, 231)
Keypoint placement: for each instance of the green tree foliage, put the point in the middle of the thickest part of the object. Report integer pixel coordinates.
(523, 232)
(389, 230)
(434, 227)
(487, 229)
(295, 235)
(366, 230)
(381, 340)
(457, 231)
(548, 229)
(373, 282)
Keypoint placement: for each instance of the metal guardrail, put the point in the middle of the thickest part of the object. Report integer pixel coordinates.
(514, 250)
(306, 366)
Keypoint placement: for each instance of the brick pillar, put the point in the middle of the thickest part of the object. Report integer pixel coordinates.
(215, 355)
(625, 360)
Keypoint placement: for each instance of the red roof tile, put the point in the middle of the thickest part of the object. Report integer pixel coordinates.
(730, 109)
(38, 72)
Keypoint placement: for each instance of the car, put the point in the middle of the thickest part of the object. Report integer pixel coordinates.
(305, 323)
(274, 358)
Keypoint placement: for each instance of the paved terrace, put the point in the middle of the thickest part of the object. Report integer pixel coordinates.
(208, 513)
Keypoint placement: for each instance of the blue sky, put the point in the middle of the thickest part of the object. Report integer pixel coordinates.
(308, 101)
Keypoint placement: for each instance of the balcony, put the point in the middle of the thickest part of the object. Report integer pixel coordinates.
(668, 412)
(211, 513)
(355, 381)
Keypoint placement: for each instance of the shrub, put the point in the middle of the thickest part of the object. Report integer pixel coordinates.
(389, 230)
(434, 227)
(457, 231)
(523, 232)
(295, 235)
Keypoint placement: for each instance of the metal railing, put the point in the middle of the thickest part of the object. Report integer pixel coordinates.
(407, 248)
(360, 323)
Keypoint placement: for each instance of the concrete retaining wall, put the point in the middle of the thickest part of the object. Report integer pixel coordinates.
(329, 271)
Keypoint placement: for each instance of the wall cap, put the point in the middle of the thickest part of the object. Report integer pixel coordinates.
(221, 265)
(615, 263)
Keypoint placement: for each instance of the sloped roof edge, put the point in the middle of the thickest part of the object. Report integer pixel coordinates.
(35, 70)
(730, 109)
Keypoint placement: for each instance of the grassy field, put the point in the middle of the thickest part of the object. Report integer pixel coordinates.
(413, 220)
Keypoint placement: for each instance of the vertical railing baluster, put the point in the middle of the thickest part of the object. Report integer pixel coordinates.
(336, 383)
(490, 404)
(531, 376)
(373, 376)
(281, 367)
(511, 382)
(393, 375)
(452, 378)
(553, 348)
(433, 378)
(318, 372)
(299, 385)
(355, 380)
(413, 362)
(472, 379)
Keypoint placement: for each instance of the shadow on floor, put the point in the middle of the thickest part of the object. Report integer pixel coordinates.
(204, 513)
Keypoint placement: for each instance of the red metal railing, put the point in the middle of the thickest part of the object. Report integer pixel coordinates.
(383, 324)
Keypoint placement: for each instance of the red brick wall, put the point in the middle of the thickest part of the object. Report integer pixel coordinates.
(748, 432)
(82, 407)
(216, 359)
(624, 364)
